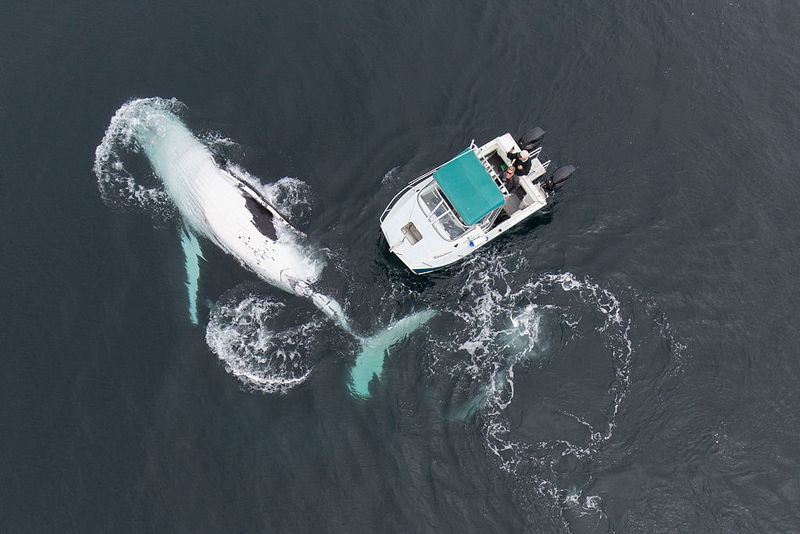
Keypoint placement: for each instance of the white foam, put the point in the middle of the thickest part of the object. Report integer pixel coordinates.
(117, 185)
(264, 359)
(390, 175)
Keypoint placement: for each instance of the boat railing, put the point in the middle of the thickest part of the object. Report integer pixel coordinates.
(484, 161)
(403, 191)
(489, 168)
(393, 202)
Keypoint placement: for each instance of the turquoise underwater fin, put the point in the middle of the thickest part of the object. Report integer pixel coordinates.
(192, 254)
(369, 362)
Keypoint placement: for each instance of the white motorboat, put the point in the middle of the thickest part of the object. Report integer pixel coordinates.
(449, 212)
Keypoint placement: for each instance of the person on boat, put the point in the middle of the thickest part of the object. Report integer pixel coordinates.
(510, 179)
(521, 162)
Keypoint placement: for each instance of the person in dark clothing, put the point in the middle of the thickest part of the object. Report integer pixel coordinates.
(521, 162)
(510, 179)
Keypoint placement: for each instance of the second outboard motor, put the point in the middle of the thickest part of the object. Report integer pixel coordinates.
(531, 140)
(559, 178)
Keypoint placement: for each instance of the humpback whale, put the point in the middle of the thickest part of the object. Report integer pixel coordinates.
(216, 204)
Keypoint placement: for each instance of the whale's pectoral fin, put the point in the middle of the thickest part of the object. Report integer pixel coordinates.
(262, 218)
(192, 254)
(369, 362)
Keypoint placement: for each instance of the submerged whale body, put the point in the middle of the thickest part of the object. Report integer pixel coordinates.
(216, 204)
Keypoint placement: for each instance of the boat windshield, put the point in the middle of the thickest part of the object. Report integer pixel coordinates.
(439, 213)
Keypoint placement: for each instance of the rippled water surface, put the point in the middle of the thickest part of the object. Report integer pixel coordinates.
(624, 361)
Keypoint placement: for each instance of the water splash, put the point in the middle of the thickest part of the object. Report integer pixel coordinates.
(116, 164)
(263, 354)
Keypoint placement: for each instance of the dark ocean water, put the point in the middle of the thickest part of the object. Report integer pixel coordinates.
(651, 382)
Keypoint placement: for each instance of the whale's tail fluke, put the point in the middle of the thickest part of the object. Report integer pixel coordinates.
(369, 362)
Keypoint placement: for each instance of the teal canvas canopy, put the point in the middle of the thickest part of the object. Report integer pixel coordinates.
(469, 187)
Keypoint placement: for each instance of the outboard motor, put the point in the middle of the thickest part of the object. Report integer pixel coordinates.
(531, 140)
(558, 179)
